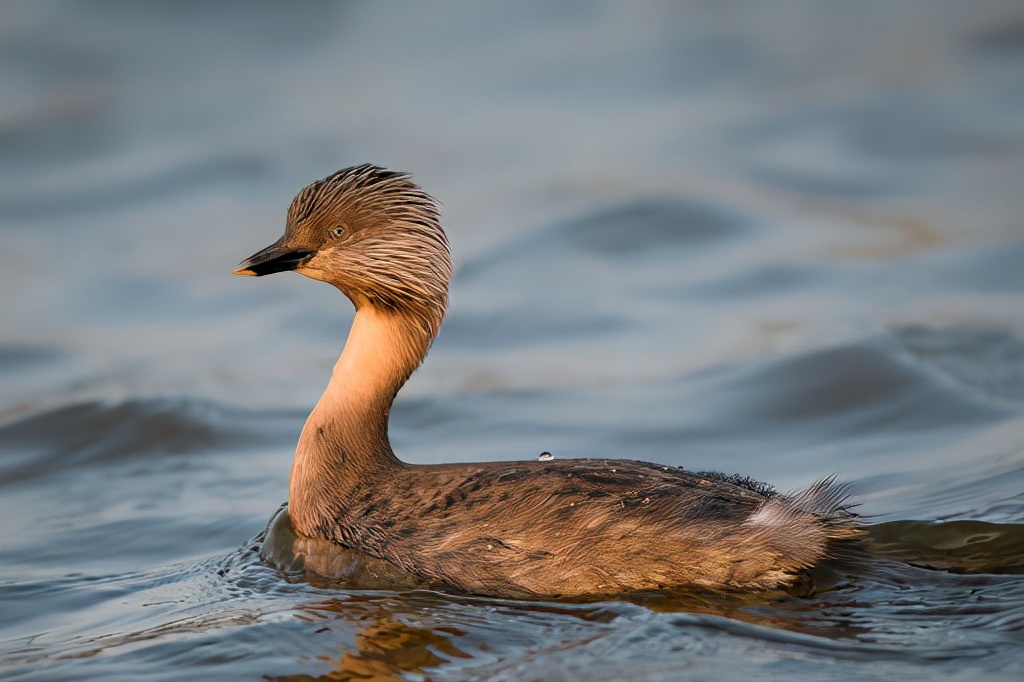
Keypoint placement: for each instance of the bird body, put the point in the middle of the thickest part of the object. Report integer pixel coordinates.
(565, 528)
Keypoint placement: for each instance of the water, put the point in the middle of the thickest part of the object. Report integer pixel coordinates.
(783, 241)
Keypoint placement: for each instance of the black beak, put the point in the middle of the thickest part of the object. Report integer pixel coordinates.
(274, 258)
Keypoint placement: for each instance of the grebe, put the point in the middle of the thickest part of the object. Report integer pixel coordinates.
(568, 528)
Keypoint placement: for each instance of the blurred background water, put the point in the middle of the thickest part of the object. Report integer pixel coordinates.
(782, 239)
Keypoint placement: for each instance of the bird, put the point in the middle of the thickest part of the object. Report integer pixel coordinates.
(570, 528)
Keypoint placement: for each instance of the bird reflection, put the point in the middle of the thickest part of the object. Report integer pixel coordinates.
(386, 647)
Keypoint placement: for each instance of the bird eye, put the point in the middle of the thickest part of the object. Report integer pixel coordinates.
(337, 231)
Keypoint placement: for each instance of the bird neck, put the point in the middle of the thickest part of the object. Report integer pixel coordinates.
(345, 439)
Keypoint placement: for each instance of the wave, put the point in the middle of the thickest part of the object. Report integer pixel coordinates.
(93, 432)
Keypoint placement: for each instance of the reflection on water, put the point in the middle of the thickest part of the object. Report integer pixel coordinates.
(385, 647)
(781, 241)
(954, 546)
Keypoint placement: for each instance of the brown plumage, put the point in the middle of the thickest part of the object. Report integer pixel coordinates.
(568, 528)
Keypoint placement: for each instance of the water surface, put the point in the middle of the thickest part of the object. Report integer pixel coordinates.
(785, 242)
